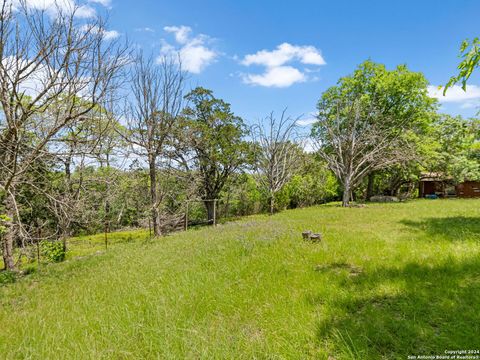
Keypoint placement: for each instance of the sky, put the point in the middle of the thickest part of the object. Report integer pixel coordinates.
(263, 56)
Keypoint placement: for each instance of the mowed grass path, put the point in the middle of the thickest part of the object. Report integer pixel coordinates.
(388, 281)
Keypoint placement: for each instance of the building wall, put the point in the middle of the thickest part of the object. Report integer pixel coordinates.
(468, 189)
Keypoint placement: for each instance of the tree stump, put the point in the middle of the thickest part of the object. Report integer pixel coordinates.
(316, 237)
(306, 234)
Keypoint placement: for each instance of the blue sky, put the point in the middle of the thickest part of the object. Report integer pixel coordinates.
(222, 43)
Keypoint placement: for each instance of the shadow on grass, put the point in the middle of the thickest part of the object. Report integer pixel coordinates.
(391, 313)
(452, 228)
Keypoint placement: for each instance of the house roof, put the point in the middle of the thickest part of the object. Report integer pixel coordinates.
(434, 176)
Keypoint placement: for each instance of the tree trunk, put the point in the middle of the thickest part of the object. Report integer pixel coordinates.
(271, 202)
(66, 223)
(396, 189)
(395, 186)
(371, 178)
(210, 206)
(153, 197)
(64, 242)
(347, 194)
(68, 173)
(107, 205)
(9, 236)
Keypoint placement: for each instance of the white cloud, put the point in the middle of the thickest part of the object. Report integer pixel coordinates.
(280, 76)
(145, 29)
(85, 12)
(309, 145)
(195, 53)
(283, 54)
(111, 34)
(307, 121)
(49, 5)
(107, 34)
(455, 94)
(40, 77)
(32, 84)
(106, 3)
(196, 58)
(181, 33)
(53, 6)
(277, 73)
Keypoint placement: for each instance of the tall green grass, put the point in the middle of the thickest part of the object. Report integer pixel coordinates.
(388, 281)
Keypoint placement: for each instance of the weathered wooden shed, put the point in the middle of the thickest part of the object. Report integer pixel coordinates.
(435, 184)
(468, 189)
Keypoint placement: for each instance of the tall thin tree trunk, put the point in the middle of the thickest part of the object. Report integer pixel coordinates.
(107, 222)
(347, 193)
(153, 197)
(68, 173)
(9, 236)
(371, 178)
(64, 242)
(271, 201)
(107, 204)
(7, 250)
(66, 230)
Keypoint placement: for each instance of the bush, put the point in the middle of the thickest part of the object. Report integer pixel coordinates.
(3, 219)
(7, 277)
(241, 197)
(53, 250)
(310, 189)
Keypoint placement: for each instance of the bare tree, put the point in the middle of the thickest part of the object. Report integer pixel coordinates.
(65, 203)
(94, 141)
(53, 71)
(354, 141)
(157, 96)
(275, 153)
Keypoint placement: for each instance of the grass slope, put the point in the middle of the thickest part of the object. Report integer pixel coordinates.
(389, 281)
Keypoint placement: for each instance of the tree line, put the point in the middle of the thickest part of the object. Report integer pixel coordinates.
(95, 136)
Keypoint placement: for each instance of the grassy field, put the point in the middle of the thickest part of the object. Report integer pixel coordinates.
(388, 281)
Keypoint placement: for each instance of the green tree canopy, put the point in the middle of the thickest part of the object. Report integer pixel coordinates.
(456, 148)
(214, 137)
(371, 120)
(470, 54)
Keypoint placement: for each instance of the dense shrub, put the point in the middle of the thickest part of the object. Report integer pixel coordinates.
(53, 250)
(241, 197)
(7, 277)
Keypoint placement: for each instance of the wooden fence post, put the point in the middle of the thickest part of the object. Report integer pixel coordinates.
(106, 234)
(186, 217)
(38, 245)
(215, 212)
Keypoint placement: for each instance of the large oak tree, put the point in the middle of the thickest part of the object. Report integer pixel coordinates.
(211, 143)
(371, 120)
